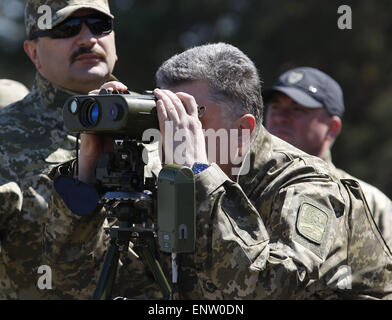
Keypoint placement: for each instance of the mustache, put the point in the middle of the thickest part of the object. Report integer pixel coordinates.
(85, 50)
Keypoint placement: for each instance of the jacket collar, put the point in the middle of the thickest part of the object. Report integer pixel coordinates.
(54, 96)
(257, 162)
(327, 157)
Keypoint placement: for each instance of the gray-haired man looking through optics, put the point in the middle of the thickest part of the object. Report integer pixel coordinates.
(282, 228)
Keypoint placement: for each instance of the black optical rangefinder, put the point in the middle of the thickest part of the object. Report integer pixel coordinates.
(117, 114)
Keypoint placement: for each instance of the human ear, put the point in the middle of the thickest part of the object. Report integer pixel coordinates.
(245, 126)
(334, 127)
(30, 47)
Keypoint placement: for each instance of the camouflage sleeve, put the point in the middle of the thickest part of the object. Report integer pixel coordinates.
(381, 207)
(74, 246)
(265, 253)
(11, 199)
(385, 221)
(23, 214)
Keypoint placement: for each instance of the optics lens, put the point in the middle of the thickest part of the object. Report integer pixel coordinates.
(89, 114)
(93, 114)
(114, 112)
(73, 106)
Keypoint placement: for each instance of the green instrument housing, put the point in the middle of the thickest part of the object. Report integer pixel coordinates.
(176, 209)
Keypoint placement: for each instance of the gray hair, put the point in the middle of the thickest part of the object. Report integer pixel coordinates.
(232, 76)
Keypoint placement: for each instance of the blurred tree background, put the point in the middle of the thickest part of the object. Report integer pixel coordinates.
(276, 35)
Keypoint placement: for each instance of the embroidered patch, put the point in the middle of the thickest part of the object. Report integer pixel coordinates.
(312, 222)
(294, 77)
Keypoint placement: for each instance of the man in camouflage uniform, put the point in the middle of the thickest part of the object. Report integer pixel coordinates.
(282, 227)
(75, 55)
(305, 108)
(11, 91)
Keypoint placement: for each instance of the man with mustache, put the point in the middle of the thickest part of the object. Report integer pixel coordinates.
(73, 55)
(305, 108)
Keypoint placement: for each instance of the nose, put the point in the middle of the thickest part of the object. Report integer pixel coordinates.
(85, 37)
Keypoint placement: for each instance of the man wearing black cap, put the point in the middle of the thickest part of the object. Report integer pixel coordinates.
(305, 108)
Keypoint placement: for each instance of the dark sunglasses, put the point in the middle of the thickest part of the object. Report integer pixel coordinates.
(97, 23)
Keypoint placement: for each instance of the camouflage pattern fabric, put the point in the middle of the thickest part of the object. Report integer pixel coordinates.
(75, 246)
(379, 204)
(285, 230)
(33, 139)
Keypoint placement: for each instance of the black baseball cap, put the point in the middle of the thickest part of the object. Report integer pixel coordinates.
(310, 88)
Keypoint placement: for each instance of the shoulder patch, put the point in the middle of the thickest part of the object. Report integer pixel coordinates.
(312, 222)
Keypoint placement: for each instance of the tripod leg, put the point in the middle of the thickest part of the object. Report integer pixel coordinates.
(155, 267)
(108, 274)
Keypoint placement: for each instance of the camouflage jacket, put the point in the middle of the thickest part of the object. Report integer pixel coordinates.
(379, 204)
(284, 230)
(32, 140)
